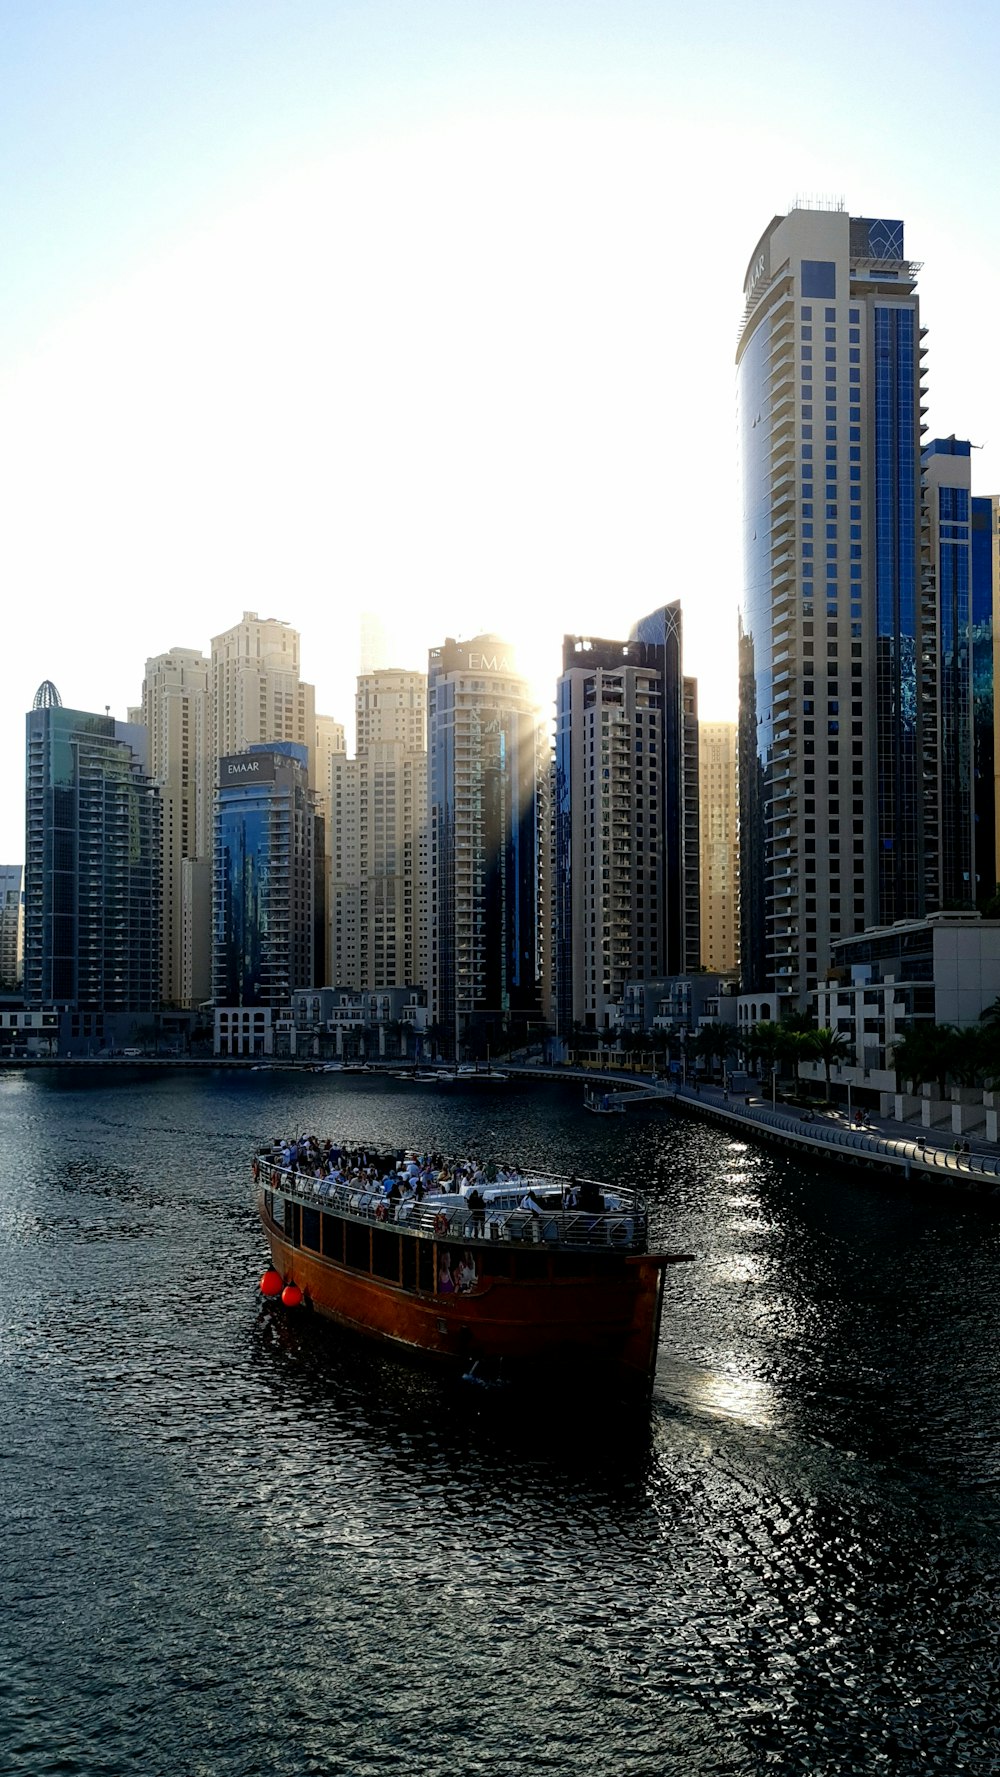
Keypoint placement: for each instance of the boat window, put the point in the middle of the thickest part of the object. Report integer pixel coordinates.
(310, 1228)
(291, 1221)
(333, 1238)
(357, 1246)
(425, 1261)
(410, 1264)
(385, 1254)
(269, 1204)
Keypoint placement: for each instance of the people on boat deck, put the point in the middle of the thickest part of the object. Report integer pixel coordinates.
(406, 1178)
(588, 1197)
(446, 1283)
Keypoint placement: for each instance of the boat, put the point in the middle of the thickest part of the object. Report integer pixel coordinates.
(601, 1105)
(538, 1277)
(472, 1074)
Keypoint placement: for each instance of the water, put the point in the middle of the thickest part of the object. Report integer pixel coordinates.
(237, 1543)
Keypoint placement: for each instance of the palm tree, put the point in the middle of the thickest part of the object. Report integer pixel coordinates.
(793, 1046)
(828, 1046)
(970, 1056)
(764, 1043)
(924, 1052)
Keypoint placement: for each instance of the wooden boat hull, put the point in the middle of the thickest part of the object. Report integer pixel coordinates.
(603, 1322)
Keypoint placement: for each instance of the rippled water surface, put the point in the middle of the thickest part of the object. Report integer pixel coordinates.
(235, 1542)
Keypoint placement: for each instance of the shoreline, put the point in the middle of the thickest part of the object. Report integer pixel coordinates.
(906, 1152)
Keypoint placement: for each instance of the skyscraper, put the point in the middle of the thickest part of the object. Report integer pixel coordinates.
(719, 846)
(985, 677)
(268, 879)
(258, 696)
(946, 625)
(840, 694)
(92, 873)
(625, 818)
(379, 839)
(484, 768)
(176, 711)
(11, 927)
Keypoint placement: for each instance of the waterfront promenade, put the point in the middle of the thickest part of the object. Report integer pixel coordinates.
(906, 1149)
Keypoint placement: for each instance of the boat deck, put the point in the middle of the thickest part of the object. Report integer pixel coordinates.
(621, 1226)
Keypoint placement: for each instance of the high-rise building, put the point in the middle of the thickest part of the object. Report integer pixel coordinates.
(268, 878)
(92, 872)
(176, 710)
(391, 705)
(985, 677)
(258, 696)
(484, 770)
(719, 846)
(626, 818)
(378, 839)
(330, 745)
(946, 627)
(11, 927)
(840, 692)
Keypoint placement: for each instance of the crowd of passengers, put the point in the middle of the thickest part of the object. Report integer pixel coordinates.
(406, 1177)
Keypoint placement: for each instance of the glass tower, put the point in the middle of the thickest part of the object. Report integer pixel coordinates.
(985, 640)
(269, 878)
(92, 872)
(842, 821)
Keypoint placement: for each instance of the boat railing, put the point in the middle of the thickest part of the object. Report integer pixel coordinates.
(623, 1228)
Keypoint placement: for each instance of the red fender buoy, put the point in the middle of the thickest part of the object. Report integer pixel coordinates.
(270, 1283)
(291, 1296)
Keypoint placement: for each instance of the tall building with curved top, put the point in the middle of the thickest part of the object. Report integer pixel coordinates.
(486, 865)
(840, 647)
(92, 871)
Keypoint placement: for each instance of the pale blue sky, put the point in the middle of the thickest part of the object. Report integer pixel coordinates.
(430, 308)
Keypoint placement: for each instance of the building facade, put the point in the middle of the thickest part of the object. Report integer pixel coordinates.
(378, 839)
(92, 871)
(484, 769)
(625, 819)
(840, 693)
(257, 693)
(268, 880)
(11, 928)
(985, 710)
(946, 626)
(719, 846)
(176, 711)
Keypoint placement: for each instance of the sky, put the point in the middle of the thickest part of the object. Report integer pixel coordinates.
(428, 308)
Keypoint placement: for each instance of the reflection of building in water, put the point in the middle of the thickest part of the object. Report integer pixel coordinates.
(486, 874)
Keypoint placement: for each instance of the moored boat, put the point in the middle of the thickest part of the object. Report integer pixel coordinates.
(538, 1274)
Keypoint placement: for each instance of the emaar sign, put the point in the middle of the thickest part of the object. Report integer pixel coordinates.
(246, 768)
